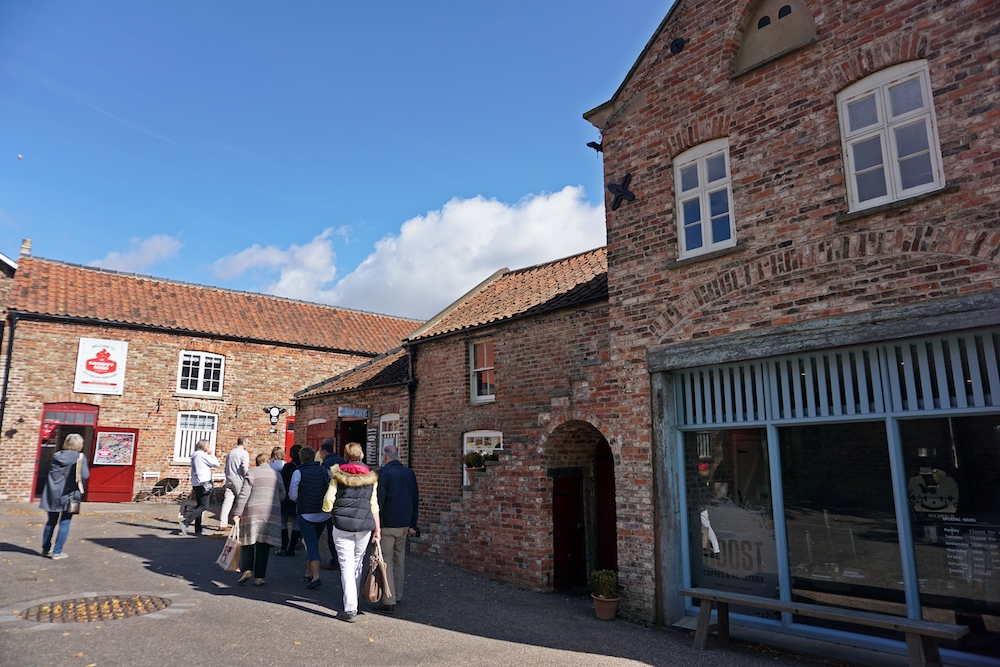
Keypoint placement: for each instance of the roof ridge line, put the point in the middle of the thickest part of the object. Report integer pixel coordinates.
(558, 261)
(455, 304)
(351, 370)
(169, 281)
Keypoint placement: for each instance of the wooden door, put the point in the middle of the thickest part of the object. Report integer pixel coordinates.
(568, 544)
(112, 465)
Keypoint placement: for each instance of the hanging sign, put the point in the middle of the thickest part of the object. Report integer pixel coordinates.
(100, 366)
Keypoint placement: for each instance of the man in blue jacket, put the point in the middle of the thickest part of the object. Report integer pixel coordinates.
(398, 502)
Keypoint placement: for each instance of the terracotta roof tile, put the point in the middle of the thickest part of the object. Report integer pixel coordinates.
(46, 287)
(389, 369)
(531, 291)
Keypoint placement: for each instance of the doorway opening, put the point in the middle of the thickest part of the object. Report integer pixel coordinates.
(58, 421)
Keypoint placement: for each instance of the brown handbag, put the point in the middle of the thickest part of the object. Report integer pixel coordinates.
(377, 582)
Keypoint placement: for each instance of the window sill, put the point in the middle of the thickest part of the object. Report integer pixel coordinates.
(180, 462)
(484, 401)
(892, 206)
(207, 397)
(739, 247)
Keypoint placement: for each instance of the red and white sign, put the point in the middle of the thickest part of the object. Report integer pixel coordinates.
(100, 366)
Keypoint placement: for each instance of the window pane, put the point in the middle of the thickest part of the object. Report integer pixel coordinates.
(692, 237)
(718, 203)
(916, 171)
(954, 494)
(871, 184)
(716, 167)
(484, 383)
(911, 139)
(720, 229)
(689, 178)
(867, 153)
(843, 545)
(906, 97)
(862, 113)
(730, 520)
(692, 211)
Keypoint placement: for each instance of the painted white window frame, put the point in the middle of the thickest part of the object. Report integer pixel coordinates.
(879, 85)
(474, 371)
(203, 369)
(387, 437)
(186, 436)
(483, 441)
(698, 157)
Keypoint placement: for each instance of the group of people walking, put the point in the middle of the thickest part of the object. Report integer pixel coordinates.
(276, 503)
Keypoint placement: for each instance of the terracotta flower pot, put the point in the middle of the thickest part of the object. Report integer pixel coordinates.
(606, 608)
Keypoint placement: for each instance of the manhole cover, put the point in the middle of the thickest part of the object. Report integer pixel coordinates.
(102, 608)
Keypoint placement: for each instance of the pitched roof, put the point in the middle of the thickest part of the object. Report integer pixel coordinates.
(391, 368)
(531, 291)
(50, 288)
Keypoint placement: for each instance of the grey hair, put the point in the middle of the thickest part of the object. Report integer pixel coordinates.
(73, 442)
(390, 452)
(202, 445)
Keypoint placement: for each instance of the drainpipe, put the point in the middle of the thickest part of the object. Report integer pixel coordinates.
(411, 391)
(6, 367)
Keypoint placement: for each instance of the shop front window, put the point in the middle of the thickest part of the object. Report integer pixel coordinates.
(843, 544)
(730, 519)
(952, 468)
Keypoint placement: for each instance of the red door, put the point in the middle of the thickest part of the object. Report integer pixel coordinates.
(112, 465)
(289, 436)
(318, 431)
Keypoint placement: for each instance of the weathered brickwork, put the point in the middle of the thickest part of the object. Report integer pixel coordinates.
(256, 376)
(554, 403)
(800, 256)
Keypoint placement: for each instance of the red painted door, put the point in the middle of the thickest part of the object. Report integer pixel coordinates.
(568, 546)
(112, 465)
(289, 436)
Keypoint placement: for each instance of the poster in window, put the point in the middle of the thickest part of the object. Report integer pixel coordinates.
(114, 448)
(100, 366)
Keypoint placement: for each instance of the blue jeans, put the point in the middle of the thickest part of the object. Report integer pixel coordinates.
(60, 536)
(310, 535)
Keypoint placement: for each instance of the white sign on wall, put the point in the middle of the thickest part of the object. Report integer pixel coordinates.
(100, 366)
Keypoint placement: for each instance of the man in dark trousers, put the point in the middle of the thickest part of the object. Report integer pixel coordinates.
(398, 502)
(329, 458)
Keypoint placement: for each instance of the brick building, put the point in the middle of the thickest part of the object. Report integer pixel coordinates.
(512, 370)
(143, 368)
(804, 302)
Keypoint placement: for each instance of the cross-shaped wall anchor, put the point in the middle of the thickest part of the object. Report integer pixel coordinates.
(621, 192)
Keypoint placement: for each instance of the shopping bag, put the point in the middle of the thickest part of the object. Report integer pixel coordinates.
(229, 559)
(377, 582)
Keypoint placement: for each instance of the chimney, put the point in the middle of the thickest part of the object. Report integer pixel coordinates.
(26, 248)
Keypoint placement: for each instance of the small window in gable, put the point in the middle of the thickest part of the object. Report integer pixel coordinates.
(200, 373)
(704, 199)
(889, 133)
(781, 27)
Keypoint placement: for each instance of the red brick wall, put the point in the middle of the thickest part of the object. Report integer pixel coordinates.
(799, 262)
(547, 378)
(42, 371)
(382, 401)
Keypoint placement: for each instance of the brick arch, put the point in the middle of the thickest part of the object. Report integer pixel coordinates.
(952, 244)
(573, 423)
(877, 54)
(716, 127)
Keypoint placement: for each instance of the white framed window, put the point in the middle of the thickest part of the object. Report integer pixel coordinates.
(192, 427)
(482, 378)
(388, 432)
(200, 373)
(487, 443)
(889, 135)
(704, 199)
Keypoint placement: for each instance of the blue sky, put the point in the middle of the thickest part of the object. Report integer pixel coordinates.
(385, 156)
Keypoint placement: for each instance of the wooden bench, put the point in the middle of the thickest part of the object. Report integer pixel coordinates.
(921, 636)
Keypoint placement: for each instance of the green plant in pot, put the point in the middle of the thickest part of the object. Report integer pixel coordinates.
(473, 459)
(605, 586)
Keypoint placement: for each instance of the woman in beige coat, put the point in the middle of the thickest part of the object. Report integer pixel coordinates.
(257, 515)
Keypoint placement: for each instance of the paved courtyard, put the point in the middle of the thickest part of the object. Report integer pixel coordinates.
(449, 617)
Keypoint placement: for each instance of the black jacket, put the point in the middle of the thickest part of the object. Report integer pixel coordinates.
(398, 499)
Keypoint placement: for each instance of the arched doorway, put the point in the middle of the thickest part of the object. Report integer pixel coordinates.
(584, 526)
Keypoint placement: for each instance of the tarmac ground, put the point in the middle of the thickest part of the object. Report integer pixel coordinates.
(449, 616)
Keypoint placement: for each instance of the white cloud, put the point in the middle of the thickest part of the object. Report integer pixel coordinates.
(435, 258)
(142, 254)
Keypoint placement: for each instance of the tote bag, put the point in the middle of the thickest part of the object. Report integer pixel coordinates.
(229, 559)
(377, 582)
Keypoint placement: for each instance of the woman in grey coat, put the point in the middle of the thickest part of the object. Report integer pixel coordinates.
(257, 516)
(60, 486)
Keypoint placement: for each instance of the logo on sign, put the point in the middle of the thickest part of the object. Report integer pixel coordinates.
(102, 363)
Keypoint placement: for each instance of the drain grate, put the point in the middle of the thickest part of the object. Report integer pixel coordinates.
(87, 610)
